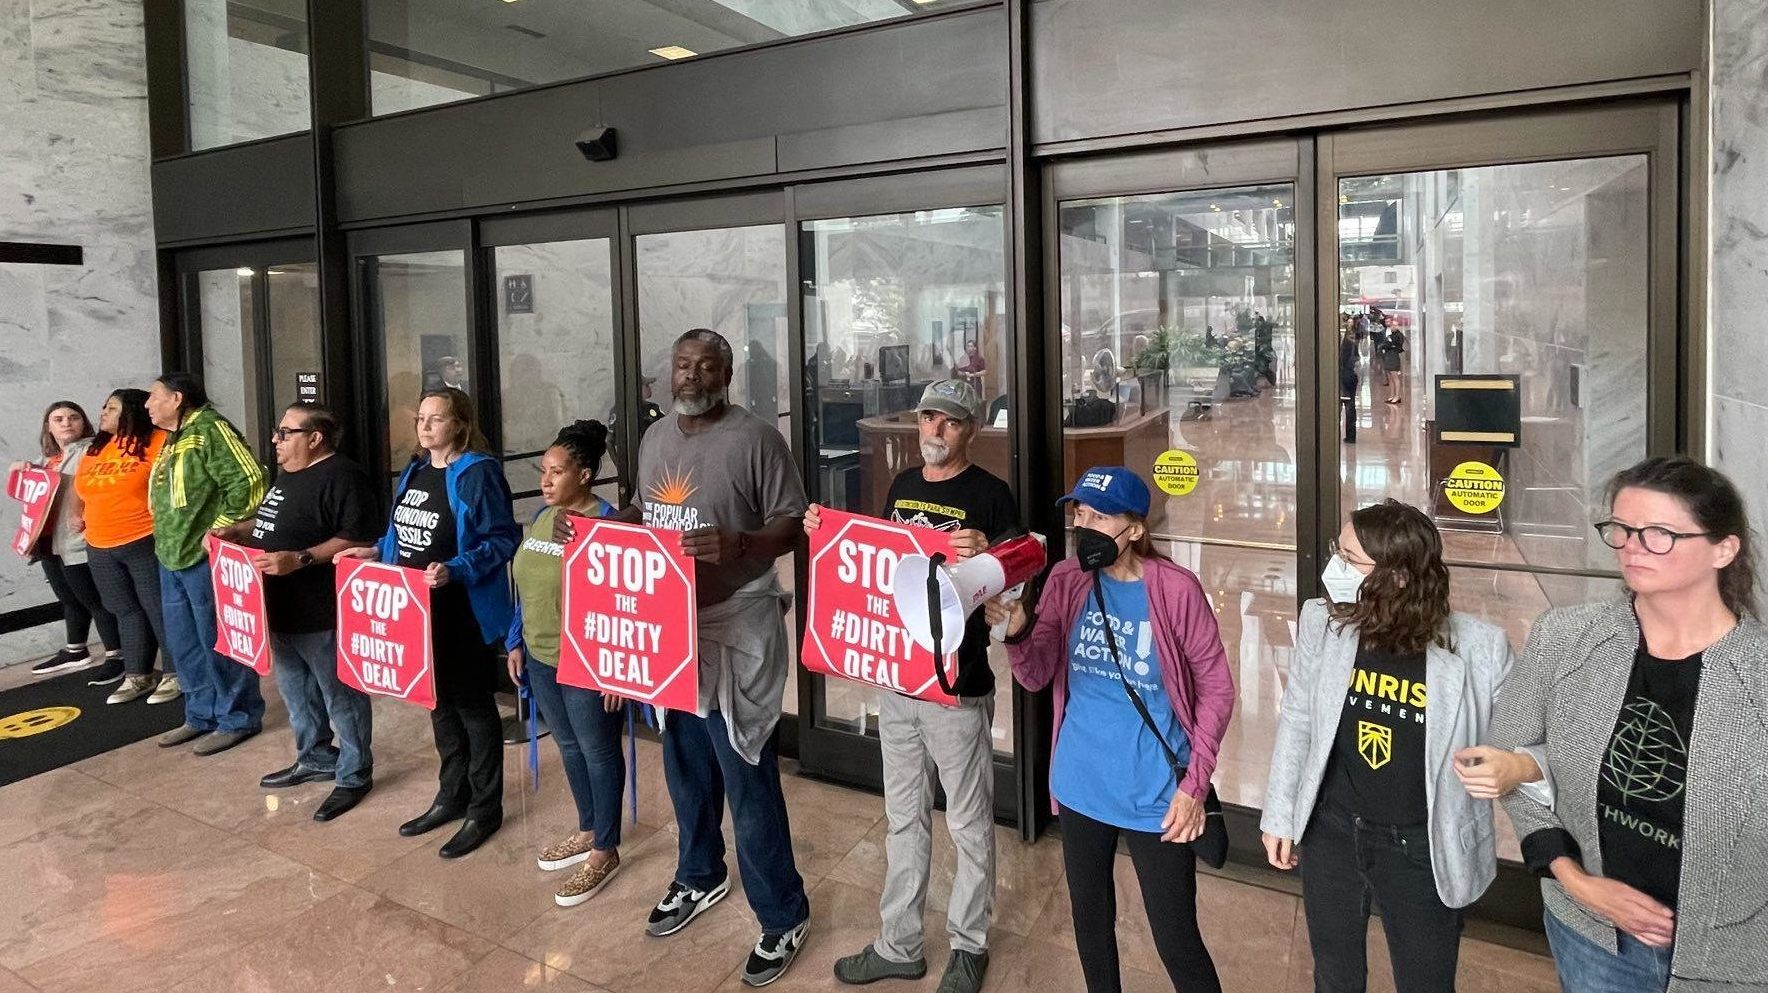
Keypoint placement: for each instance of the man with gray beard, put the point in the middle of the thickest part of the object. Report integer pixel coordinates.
(726, 480)
(947, 493)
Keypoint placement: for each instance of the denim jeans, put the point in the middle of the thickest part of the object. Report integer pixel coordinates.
(1585, 967)
(589, 744)
(219, 693)
(702, 771)
(1347, 864)
(307, 676)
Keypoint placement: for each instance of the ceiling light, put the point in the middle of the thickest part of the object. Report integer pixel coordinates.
(246, 271)
(674, 52)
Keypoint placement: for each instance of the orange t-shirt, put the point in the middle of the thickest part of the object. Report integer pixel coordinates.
(114, 489)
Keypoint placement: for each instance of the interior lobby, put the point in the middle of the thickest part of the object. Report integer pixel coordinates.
(1147, 236)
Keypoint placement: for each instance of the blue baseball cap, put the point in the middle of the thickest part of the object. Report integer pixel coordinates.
(1110, 489)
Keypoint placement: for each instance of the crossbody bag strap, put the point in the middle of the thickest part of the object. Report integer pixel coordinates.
(1172, 757)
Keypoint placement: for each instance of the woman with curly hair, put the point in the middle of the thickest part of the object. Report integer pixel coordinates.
(1387, 684)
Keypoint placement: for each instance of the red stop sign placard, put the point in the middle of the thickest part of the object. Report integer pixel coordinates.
(34, 488)
(242, 631)
(384, 631)
(629, 624)
(851, 627)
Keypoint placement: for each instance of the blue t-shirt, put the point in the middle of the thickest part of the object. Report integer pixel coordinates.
(1108, 765)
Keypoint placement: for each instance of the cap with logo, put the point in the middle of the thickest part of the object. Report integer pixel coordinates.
(951, 397)
(1111, 490)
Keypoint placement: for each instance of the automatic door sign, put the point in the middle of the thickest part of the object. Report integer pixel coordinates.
(1474, 488)
(852, 629)
(384, 631)
(1175, 472)
(240, 625)
(34, 488)
(629, 622)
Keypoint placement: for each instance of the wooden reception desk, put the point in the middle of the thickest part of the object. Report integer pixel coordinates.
(889, 444)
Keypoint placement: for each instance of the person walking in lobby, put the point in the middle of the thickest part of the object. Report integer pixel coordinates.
(727, 481)
(204, 479)
(1392, 353)
(1386, 685)
(453, 521)
(1143, 694)
(920, 739)
(1652, 710)
(585, 724)
(65, 438)
(321, 504)
(117, 522)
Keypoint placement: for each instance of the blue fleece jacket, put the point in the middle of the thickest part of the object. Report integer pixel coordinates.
(486, 535)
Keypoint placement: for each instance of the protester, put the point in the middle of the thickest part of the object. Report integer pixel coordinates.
(117, 522)
(1143, 695)
(205, 478)
(585, 724)
(321, 504)
(1358, 777)
(1652, 708)
(727, 481)
(918, 738)
(452, 519)
(65, 438)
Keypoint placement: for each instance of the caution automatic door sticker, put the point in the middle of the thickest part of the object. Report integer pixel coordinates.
(1175, 472)
(1474, 488)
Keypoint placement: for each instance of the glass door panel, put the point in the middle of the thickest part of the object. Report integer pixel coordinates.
(296, 344)
(227, 302)
(418, 305)
(893, 302)
(555, 337)
(1178, 354)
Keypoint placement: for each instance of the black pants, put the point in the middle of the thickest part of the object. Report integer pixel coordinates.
(80, 603)
(128, 580)
(1347, 864)
(1168, 875)
(466, 724)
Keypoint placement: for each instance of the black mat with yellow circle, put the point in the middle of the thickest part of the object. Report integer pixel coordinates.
(54, 722)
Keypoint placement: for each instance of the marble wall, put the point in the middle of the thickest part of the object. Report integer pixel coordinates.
(1738, 227)
(73, 168)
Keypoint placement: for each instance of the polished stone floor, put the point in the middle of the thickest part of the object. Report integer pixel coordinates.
(151, 870)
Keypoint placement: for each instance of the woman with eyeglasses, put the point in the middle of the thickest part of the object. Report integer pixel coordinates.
(1651, 710)
(1386, 685)
(453, 520)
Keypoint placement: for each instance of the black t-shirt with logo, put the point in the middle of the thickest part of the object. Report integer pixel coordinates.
(332, 498)
(974, 499)
(1641, 791)
(1377, 768)
(423, 523)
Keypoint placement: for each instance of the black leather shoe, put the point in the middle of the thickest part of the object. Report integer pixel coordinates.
(340, 800)
(430, 820)
(294, 775)
(471, 835)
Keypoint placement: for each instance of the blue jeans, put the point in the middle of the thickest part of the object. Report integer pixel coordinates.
(702, 769)
(307, 676)
(219, 693)
(589, 743)
(1585, 967)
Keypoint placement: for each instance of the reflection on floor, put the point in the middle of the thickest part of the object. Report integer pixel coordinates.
(148, 870)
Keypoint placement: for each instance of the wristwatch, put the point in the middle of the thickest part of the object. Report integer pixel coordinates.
(305, 558)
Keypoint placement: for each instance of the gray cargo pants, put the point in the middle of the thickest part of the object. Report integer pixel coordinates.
(921, 739)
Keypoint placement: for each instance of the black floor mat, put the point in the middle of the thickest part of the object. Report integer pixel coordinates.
(54, 722)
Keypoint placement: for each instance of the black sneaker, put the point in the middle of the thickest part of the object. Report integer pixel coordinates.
(964, 973)
(62, 661)
(773, 955)
(108, 672)
(681, 905)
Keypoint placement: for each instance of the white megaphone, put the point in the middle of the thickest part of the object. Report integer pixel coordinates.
(959, 587)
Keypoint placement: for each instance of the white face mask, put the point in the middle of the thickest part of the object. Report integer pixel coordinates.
(1343, 581)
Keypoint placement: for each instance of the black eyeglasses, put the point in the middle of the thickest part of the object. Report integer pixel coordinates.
(1654, 539)
(282, 434)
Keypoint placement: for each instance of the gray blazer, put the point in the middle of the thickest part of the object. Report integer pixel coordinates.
(1567, 693)
(1461, 687)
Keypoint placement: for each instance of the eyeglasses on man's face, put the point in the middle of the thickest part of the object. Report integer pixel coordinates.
(282, 433)
(1654, 539)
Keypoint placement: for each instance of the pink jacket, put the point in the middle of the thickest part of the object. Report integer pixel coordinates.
(1193, 663)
